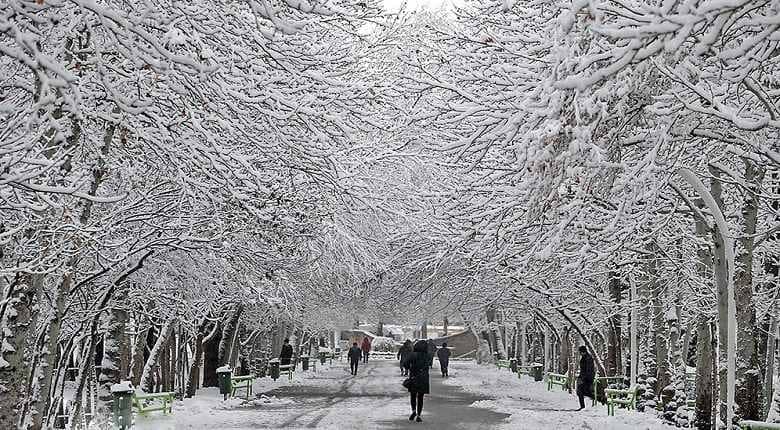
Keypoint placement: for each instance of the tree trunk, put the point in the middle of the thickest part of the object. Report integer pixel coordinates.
(704, 372)
(563, 358)
(226, 339)
(659, 324)
(115, 348)
(769, 376)
(147, 377)
(17, 328)
(721, 274)
(194, 374)
(749, 373)
(614, 335)
(211, 357)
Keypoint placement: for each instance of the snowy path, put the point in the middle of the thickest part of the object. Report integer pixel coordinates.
(474, 397)
(332, 399)
(375, 399)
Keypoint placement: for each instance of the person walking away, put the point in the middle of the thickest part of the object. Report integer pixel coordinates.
(404, 352)
(354, 358)
(586, 377)
(419, 379)
(366, 347)
(444, 359)
(287, 352)
(431, 352)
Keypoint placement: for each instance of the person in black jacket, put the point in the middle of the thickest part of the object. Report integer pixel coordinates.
(404, 352)
(586, 377)
(287, 352)
(419, 384)
(444, 359)
(431, 352)
(354, 356)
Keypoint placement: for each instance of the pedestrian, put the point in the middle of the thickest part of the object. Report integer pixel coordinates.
(418, 383)
(444, 359)
(431, 352)
(287, 352)
(585, 379)
(354, 358)
(366, 347)
(404, 352)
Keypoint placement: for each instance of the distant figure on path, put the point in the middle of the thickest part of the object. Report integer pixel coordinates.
(404, 352)
(287, 352)
(354, 358)
(431, 352)
(366, 347)
(419, 384)
(444, 359)
(585, 379)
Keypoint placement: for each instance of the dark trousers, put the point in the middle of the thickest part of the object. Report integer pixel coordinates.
(584, 389)
(444, 369)
(353, 365)
(365, 356)
(416, 401)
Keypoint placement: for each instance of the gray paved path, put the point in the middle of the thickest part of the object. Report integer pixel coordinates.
(375, 399)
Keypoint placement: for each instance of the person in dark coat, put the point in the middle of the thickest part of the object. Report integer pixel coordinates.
(366, 347)
(419, 384)
(586, 377)
(444, 359)
(431, 353)
(404, 352)
(287, 352)
(354, 355)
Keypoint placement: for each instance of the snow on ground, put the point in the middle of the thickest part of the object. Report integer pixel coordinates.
(328, 399)
(472, 397)
(532, 407)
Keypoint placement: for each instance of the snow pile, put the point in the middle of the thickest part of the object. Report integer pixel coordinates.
(122, 387)
(532, 407)
(263, 400)
(384, 344)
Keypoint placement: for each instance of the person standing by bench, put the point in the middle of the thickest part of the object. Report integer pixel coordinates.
(285, 357)
(586, 377)
(354, 358)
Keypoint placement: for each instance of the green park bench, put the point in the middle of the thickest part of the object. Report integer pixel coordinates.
(604, 381)
(289, 369)
(150, 402)
(502, 364)
(758, 425)
(626, 398)
(557, 379)
(242, 383)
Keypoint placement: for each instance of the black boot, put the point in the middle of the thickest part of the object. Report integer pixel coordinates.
(411, 417)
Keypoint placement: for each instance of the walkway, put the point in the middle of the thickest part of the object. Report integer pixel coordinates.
(375, 399)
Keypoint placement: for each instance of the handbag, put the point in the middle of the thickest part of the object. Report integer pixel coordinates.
(407, 382)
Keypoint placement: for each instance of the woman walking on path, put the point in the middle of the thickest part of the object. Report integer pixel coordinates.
(419, 380)
(366, 347)
(404, 352)
(585, 380)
